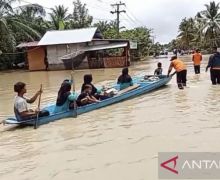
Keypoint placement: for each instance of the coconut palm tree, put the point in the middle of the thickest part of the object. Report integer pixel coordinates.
(187, 31)
(80, 17)
(33, 15)
(30, 12)
(59, 17)
(10, 25)
(102, 25)
(210, 21)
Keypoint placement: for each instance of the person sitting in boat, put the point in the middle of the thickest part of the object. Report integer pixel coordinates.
(95, 91)
(86, 96)
(65, 99)
(125, 79)
(159, 69)
(88, 81)
(21, 110)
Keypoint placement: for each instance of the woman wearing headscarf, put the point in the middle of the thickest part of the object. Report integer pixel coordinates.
(125, 79)
(65, 98)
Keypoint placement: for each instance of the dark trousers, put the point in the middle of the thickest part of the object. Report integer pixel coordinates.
(181, 78)
(42, 113)
(215, 76)
(197, 69)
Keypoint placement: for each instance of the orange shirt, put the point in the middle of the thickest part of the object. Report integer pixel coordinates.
(178, 65)
(197, 58)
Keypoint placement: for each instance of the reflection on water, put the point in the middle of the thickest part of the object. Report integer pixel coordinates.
(117, 142)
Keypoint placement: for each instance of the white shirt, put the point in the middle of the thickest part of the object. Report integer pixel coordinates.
(20, 104)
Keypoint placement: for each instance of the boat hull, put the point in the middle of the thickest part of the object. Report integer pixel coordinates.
(144, 87)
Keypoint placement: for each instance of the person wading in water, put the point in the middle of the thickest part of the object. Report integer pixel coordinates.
(197, 58)
(181, 71)
(214, 65)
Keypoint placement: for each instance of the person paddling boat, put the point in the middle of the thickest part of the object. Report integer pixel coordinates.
(21, 110)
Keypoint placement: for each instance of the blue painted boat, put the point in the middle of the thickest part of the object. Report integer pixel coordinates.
(142, 87)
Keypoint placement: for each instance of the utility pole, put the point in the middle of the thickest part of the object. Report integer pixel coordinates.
(118, 12)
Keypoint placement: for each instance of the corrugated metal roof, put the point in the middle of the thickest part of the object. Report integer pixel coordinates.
(68, 36)
(106, 46)
(28, 44)
(96, 48)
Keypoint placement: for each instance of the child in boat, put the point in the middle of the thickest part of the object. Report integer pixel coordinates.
(21, 110)
(65, 99)
(86, 96)
(159, 69)
(125, 79)
(88, 81)
(95, 92)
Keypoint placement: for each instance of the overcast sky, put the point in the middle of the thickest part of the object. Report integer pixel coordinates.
(163, 16)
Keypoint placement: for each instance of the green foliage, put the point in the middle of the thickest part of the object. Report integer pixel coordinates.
(187, 33)
(103, 26)
(80, 17)
(202, 32)
(59, 17)
(29, 23)
(143, 37)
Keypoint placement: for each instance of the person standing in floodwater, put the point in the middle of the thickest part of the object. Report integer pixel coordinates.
(214, 65)
(197, 58)
(181, 71)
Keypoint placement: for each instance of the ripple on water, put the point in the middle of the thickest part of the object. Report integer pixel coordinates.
(117, 138)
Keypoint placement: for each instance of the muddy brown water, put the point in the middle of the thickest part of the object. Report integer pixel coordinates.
(119, 142)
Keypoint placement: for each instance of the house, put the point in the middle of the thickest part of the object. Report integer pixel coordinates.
(78, 49)
(35, 55)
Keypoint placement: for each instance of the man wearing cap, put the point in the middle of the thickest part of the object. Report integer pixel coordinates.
(197, 58)
(214, 65)
(181, 71)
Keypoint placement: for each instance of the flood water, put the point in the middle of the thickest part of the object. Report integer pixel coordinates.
(119, 142)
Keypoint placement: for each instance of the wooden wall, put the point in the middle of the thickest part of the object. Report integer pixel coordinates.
(36, 59)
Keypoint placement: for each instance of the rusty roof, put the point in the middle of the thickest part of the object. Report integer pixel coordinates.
(28, 44)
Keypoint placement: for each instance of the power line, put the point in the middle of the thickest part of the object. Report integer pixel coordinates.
(135, 18)
(98, 7)
(129, 22)
(101, 9)
(102, 19)
(104, 2)
(118, 12)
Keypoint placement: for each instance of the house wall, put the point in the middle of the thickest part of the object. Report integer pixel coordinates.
(36, 59)
(82, 61)
(56, 52)
(115, 62)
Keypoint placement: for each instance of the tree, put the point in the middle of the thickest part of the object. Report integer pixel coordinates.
(33, 15)
(103, 26)
(210, 21)
(187, 31)
(142, 35)
(59, 17)
(80, 17)
(10, 25)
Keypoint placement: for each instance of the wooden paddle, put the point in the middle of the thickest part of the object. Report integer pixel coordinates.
(74, 102)
(39, 101)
